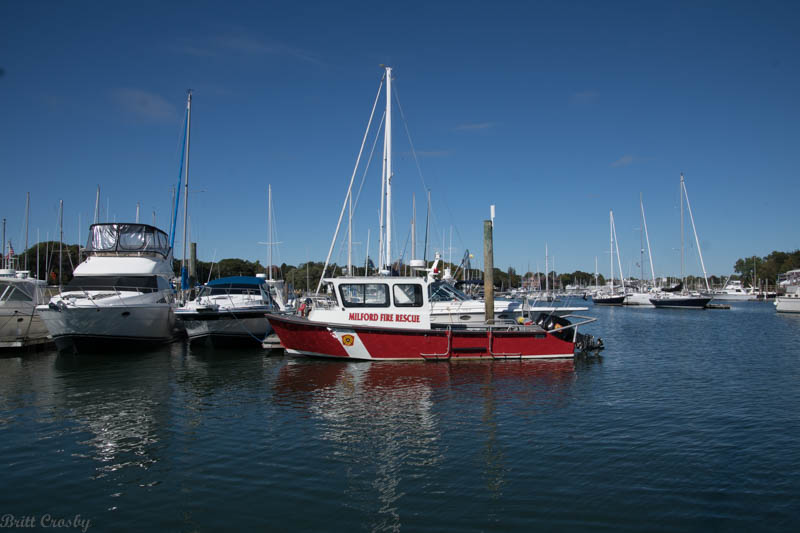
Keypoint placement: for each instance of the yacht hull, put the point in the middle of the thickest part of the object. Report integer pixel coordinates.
(20, 328)
(89, 328)
(301, 336)
(787, 304)
(226, 327)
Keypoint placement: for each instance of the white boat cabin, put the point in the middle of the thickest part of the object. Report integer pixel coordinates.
(400, 302)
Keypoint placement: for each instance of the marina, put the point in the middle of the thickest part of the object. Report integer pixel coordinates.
(328, 267)
(670, 426)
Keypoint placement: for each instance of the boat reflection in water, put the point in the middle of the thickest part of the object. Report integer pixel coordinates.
(385, 419)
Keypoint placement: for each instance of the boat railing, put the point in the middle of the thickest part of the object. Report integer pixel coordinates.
(104, 292)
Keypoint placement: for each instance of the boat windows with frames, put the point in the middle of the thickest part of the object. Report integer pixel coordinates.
(127, 238)
(440, 291)
(364, 294)
(122, 283)
(12, 293)
(407, 295)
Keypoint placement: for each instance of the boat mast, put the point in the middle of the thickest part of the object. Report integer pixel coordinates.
(27, 216)
(683, 280)
(3, 260)
(269, 229)
(641, 243)
(349, 235)
(97, 206)
(611, 245)
(649, 253)
(546, 273)
(186, 186)
(60, 238)
(413, 226)
(387, 132)
(366, 257)
(619, 259)
(694, 229)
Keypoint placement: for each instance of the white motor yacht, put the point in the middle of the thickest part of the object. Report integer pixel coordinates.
(790, 301)
(20, 325)
(230, 309)
(120, 295)
(734, 291)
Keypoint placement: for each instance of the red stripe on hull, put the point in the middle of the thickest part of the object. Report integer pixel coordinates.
(401, 344)
(306, 336)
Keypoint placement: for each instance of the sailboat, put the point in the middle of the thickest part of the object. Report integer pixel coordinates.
(612, 297)
(684, 299)
(643, 295)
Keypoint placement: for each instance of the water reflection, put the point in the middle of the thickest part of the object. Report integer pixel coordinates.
(121, 404)
(385, 419)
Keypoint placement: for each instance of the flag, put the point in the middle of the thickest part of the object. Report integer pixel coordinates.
(10, 251)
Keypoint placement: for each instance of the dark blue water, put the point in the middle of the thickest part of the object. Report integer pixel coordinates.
(690, 421)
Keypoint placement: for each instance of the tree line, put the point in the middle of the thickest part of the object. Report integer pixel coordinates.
(305, 276)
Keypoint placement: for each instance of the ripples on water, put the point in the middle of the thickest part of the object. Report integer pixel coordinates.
(689, 421)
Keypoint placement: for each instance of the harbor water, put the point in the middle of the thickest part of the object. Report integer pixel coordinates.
(689, 421)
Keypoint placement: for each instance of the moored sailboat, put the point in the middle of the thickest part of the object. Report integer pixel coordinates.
(684, 299)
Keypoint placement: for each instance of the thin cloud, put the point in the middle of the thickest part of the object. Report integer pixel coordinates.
(623, 161)
(144, 104)
(584, 97)
(244, 44)
(474, 126)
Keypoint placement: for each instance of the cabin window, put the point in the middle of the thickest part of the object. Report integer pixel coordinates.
(364, 294)
(408, 295)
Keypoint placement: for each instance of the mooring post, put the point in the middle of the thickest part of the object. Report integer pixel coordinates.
(192, 263)
(488, 271)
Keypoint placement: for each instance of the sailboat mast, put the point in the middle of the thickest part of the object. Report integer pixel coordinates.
(546, 273)
(349, 234)
(382, 217)
(186, 183)
(413, 226)
(611, 245)
(27, 216)
(366, 257)
(60, 238)
(694, 229)
(683, 280)
(97, 205)
(649, 253)
(641, 243)
(388, 136)
(269, 228)
(619, 259)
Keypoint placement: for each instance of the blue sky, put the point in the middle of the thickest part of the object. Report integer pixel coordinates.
(554, 111)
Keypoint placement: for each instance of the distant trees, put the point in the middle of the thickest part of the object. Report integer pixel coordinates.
(767, 267)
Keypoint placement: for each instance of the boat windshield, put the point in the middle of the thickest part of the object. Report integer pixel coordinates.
(440, 291)
(232, 288)
(138, 238)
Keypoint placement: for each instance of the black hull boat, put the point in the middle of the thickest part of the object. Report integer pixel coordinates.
(681, 302)
(608, 300)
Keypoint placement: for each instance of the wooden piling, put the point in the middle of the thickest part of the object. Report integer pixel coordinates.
(488, 271)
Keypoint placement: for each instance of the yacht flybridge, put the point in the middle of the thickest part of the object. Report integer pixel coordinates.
(120, 294)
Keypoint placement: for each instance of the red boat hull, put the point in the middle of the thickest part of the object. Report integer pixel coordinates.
(302, 336)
